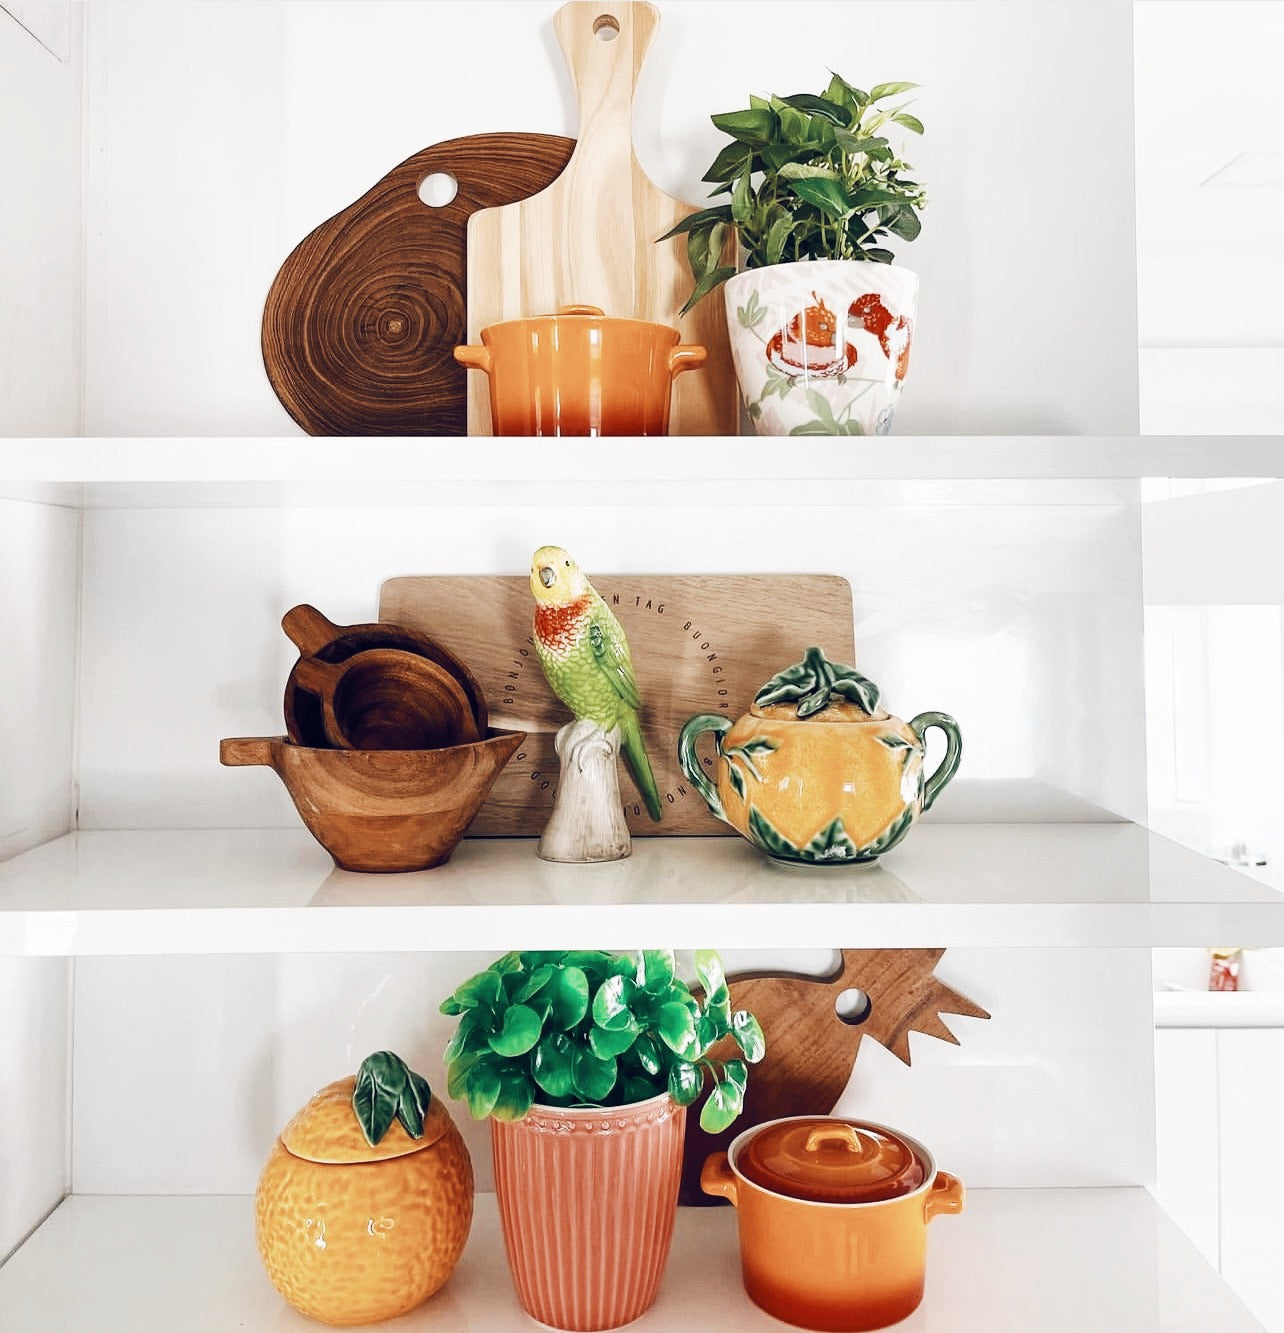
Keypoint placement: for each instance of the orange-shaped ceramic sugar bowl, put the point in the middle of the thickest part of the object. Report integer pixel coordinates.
(817, 772)
(350, 1231)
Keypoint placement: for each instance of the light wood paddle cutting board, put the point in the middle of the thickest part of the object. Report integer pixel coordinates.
(590, 237)
(700, 643)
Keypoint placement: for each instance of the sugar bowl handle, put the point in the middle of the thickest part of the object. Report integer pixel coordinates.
(948, 766)
(690, 760)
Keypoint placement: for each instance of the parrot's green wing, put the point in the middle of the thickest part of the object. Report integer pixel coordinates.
(611, 652)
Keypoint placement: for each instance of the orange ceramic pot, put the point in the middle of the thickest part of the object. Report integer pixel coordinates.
(839, 1240)
(352, 1234)
(580, 373)
(587, 1200)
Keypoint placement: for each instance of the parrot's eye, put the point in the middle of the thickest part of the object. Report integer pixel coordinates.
(547, 576)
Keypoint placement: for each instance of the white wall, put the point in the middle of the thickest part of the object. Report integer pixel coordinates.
(40, 223)
(39, 578)
(1032, 1096)
(221, 133)
(1015, 608)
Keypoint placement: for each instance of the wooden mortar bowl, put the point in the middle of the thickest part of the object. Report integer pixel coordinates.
(382, 810)
(386, 699)
(316, 636)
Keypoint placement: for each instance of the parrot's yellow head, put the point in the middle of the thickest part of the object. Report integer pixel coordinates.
(556, 580)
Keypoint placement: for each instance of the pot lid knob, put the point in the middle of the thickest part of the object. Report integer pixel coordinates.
(827, 1160)
(596, 311)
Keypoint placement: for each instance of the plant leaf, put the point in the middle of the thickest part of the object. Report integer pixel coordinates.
(754, 126)
(655, 970)
(820, 106)
(830, 196)
(724, 1103)
(685, 1082)
(607, 1043)
(708, 967)
(611, 1004)
(675, 1026)
(911, 123)
(482, 1087)
(734, 160)
(737, 1072)
(518, 1033)
(882, 90)
(515, 1098)
(749, 1036)
(593, 1078)
(568, 993)
(551, 1064)
(647, 1054)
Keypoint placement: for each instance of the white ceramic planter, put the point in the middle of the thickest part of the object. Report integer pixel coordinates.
(821, 347)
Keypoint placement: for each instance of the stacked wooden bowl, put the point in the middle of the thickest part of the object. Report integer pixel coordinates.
(388, 754)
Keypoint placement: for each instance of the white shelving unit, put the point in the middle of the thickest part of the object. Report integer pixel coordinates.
(167, 926)
(1022, 1261)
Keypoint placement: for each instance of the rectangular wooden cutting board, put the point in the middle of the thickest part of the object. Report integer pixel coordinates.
(701, 643)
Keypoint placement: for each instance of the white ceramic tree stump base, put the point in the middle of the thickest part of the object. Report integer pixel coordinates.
(587, 823)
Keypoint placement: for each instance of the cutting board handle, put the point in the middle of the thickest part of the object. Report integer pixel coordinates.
(605, 43)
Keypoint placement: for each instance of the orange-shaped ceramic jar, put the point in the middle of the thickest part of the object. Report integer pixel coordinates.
(833, 1217)
(817, 772)
(352, 1233)
(580, 372)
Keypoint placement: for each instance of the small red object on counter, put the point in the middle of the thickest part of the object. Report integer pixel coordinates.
(1223, 974)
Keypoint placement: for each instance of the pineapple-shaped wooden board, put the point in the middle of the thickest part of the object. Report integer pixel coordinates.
(814, 1035)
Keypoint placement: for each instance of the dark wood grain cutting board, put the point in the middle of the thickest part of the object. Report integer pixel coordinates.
(701, 643)
(361, 322)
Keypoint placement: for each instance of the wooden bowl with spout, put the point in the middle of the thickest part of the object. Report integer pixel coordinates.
(382, 810)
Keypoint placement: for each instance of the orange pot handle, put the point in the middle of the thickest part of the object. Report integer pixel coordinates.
(686, 356)
(945, 1196)
(716, 1177)
(475, 358)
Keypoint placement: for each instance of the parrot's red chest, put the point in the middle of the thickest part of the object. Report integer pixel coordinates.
(559, 628)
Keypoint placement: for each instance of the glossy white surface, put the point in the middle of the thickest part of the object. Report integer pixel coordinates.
(1060, 1261)
(202, 471)
(272, 890)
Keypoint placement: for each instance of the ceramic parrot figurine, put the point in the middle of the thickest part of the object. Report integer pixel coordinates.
(585, 657)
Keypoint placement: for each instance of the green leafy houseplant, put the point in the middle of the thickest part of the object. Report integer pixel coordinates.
(587, 1028)
(810, 177)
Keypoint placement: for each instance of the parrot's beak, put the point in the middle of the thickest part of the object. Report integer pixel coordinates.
(547, 575)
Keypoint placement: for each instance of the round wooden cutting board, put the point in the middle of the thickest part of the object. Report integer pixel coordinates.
(361, 322)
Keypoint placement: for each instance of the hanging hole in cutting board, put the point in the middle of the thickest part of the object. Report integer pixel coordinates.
(606, 27)
(853, 1006)
(438, 189)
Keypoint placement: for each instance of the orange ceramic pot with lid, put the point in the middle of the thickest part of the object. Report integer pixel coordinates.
(580, 372)
(833, 1218)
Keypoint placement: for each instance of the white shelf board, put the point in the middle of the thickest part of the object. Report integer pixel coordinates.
(1219, 1009)
(710, 470)
(276, 891)
(1059, 1261)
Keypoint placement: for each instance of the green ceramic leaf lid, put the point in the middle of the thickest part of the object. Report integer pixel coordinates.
(823, 1159)
(384, 1111)
(821, 689)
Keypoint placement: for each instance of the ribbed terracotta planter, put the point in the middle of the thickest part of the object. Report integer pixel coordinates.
(587, 1200)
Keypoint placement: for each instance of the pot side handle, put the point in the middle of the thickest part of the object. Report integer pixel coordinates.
(686, 356)
(945, 1196)
(690, 761)
(716, 1177)
(475, 358)
(948, 766)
